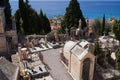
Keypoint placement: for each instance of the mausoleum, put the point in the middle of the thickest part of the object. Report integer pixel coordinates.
(79, 59)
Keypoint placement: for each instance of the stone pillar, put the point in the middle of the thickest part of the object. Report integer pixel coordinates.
(72, 33)
(67, 34)
(19, 48)
(45, 38)
(3, 43)
(56, 36)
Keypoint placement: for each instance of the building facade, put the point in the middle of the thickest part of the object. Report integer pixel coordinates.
(8, 39)
(3, 43)
(79, 59)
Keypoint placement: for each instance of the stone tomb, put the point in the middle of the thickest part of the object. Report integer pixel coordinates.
(80, 59)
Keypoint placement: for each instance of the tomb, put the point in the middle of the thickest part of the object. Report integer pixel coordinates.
(79, 59)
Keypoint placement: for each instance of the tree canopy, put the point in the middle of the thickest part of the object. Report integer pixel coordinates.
(32, 22)
(116, 29)
(97, 49)
(96, 26)
(7, 10)
(29, 17)
(73, 15)
(45, 24)
(102, 29)
(117, 54)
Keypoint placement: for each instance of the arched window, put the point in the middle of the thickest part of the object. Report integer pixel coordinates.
(86, 69)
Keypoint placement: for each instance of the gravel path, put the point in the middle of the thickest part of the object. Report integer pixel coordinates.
(55, 67)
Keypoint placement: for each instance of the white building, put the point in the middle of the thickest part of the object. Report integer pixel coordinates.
(79, 59)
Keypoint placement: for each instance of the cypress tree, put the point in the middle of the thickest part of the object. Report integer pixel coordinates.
(73, 15)
(47, 27)
(41, 13)
(96, 26)
(22, 12)
(17, 18)
(6, 4)
(45, 24)
(32, 22)
(41, 18)
(102, 30)
(97, 49)
(116, 29)
(117, 54)
(2, 3)
(29, 17)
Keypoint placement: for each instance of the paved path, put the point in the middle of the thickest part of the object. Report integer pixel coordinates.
(55, 67)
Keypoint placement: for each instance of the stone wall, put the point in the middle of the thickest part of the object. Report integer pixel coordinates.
(13, 34)
(75, 67)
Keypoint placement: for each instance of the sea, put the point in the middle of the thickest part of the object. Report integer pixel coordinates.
(90, 9)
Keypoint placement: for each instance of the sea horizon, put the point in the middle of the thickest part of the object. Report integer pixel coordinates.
(90, 9)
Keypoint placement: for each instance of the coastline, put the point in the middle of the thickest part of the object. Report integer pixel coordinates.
(90, 9)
